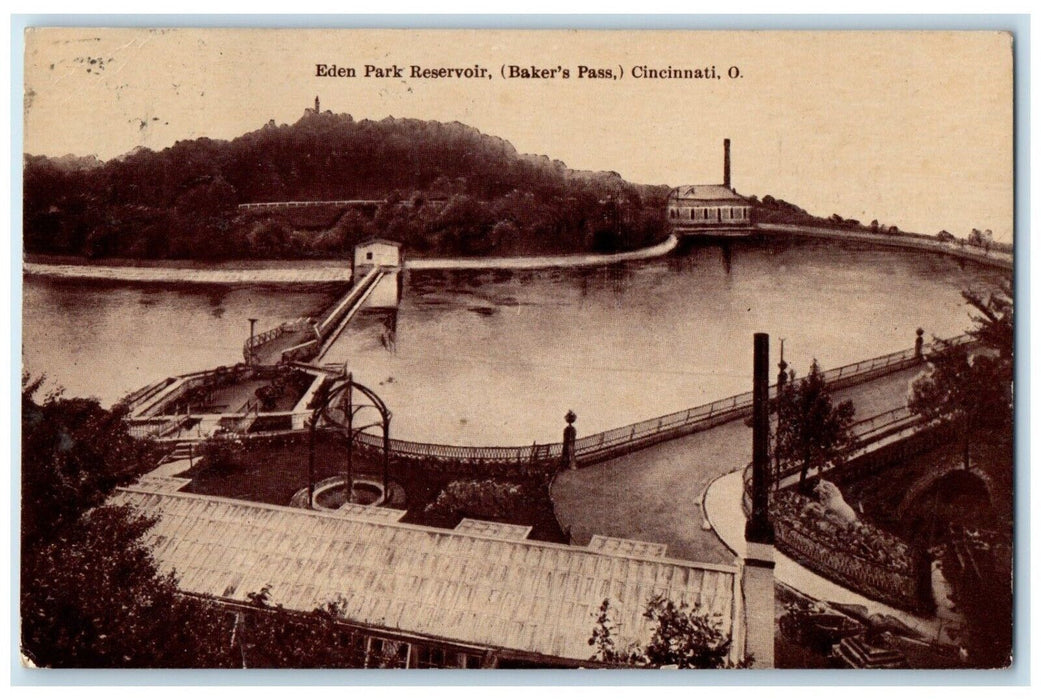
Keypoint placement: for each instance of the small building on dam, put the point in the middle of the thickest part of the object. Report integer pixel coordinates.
(386, 255)
(375, 252)
(710, 209)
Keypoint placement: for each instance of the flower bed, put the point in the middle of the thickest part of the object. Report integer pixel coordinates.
(857, 555)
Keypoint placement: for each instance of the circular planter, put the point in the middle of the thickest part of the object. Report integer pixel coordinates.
(332, 495)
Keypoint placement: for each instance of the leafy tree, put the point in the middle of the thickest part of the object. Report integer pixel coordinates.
(680, 638)
(268, 636)
(74, 453)
(973, 388)
(90, 592)
(181, 201)
(993, 319)
(949, 390)
(91, 597)
(811, 430)
(603, 639)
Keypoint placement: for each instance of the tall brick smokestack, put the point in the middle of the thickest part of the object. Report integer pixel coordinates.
(726, 163)
(758, 527)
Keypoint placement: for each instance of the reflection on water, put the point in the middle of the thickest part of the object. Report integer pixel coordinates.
(106, 340)
(498, 357)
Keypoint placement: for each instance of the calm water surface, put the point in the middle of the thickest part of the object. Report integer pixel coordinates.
(105, 340)
(499, 357)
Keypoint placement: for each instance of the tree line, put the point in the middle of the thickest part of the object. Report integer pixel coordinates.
(450, 190)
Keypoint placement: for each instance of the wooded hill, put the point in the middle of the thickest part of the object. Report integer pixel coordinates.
(451, 190)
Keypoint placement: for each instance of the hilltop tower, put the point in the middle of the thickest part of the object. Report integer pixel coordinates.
(317, 111)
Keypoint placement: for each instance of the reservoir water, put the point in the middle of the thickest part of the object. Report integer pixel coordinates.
(498, 357)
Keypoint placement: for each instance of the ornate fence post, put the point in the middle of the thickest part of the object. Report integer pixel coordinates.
(918, 343)
(782, 370)
(567, 456)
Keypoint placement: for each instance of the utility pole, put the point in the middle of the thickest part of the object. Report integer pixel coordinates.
(252, 327)
(758, 578)
(782, 380)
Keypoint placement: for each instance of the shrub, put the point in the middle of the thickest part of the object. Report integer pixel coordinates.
(220, 455)
(485, 498)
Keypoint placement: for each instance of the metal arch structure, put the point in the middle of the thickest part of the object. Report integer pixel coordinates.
(335, 406)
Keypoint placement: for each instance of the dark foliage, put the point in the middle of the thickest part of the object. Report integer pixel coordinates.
(90, 593)
(91, 598)
(680, 638)
(74, 453)
(811, 430)
(978, 566)
(975, 391)
(974, 388)
(772, 210)
(449, 189)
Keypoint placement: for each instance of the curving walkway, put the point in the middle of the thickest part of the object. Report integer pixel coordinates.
(544, 261)
(655, 494)
(312, 272)
(909, 241)
(197, 273)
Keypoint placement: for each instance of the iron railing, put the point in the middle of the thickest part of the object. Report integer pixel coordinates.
(599, 446)
(315, 203)
(592, 448)
(690, 420)
(348, 300)
(537, 454)
(864, 433)
(251, 345)
(136, 398)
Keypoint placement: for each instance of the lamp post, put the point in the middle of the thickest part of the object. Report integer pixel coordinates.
(252, 326)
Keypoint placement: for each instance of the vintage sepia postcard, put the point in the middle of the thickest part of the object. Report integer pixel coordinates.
(492, 349)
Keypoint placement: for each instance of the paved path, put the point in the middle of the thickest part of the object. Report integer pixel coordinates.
(289, 272)
(170, 469)
(723, 511)
(656, 494)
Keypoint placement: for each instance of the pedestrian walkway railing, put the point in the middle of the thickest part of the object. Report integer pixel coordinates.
(254, 344)
(528, 454)
(339, 310)
(865, 434)
(314, 203)
(600, 446)
(617, 441)
(647, 432)
(158, 428)
(135, 399)
(147, 429)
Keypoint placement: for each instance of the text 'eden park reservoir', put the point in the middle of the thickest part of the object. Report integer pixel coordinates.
(526, 72)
